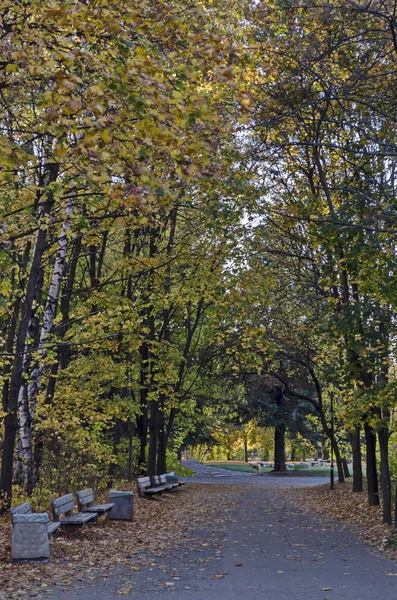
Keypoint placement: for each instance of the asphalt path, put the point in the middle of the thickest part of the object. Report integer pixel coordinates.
(271, 550)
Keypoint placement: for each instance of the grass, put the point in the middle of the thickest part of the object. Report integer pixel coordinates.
(240, 466)
(234, 467)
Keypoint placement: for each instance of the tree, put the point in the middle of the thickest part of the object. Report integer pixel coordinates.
(266, 399)
(326, 161)
(116, 111)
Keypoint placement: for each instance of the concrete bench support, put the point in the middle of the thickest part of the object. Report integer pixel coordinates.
(123, 505)
(30, 539)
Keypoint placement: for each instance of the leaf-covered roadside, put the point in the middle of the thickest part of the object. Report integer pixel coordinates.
(158, 526)
(352, 510)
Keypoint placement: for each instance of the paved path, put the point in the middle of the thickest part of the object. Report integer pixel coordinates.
(271, 551)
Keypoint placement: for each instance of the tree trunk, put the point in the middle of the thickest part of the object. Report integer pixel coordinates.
(161, 467)
(372, 476)
(39, 444)
(383, 437)
(191, 327)
(245, 442)
(64, 354)
(66, 299)
(11, 420)
(331, 436)
(24, 465)
(153, 438)
(24, 453)
(346, 471)
(131, 433)
(357, 462)
(279, 449)
(142, 423)
(339, 464)
(30, 389)
(12, 325)
(10, 431)
(395, 508)
(113, 463)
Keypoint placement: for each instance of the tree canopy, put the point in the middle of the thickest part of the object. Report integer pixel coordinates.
(197, 228)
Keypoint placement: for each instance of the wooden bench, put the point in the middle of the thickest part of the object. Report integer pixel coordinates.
(26, 509)
(170, 486)
(172, 478)
(85, 503)
(65, 506)
(145, 487)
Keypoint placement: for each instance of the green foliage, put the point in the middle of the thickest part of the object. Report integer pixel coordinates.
(223, 181)
(233, 467)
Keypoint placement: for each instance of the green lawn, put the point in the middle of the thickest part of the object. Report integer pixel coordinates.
(234, 466)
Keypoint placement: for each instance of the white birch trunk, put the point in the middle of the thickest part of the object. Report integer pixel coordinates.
(24, 419)
(30, 388)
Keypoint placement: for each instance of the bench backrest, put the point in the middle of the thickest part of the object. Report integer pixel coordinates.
(162, 479)
(84, 498)
(62, 506)
(22, 509)
(144, 482)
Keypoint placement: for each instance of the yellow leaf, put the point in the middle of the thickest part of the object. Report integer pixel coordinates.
(105, 135)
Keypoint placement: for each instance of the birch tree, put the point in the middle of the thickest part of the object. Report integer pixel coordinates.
(33, 367)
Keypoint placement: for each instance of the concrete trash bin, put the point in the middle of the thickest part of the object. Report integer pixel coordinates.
(30, 539)
(123, 508)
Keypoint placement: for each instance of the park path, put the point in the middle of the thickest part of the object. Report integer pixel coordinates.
(271, 550)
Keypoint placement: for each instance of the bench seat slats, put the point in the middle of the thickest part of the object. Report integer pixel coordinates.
(99, 508)
(53, 526)
(170, 486)
(78, 519)
(167, 486)
(153, 490)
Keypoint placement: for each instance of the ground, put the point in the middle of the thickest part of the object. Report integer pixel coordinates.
(225, 536)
